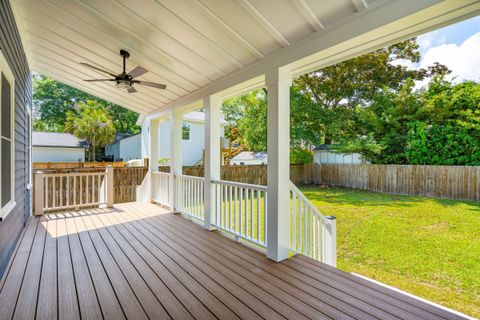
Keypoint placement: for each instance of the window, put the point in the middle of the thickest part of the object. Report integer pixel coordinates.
(185, 131)
(7, 201)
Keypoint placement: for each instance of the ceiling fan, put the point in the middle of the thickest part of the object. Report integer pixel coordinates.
(125, 80)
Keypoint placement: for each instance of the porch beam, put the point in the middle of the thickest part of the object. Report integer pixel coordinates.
(212, 105)
(278, 83)
(176, 162)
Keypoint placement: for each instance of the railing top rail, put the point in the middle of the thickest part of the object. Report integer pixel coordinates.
(161, 173)
(74, 174)
(182, 176)
(241, 185)
(300, 194)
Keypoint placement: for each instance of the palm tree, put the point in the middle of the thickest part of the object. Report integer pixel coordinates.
(90, 121)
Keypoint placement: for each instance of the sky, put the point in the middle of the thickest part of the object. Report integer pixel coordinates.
(457, 46)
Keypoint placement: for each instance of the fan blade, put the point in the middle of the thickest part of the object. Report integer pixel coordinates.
(151, 84)
(131, 90)
(97, 68)
(95, 80)
(137, 72)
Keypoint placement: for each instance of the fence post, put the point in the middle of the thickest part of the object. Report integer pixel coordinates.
(39, 191)
(330, 241)
(110, 190)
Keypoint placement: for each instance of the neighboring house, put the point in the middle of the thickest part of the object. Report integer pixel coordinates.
(193, 138)
(326, 154)
(249, 158)
(126, 147)
(57, 147)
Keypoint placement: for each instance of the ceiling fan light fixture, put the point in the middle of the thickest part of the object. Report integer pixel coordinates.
(125, 80)
(123, 84)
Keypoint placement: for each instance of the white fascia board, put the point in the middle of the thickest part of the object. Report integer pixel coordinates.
(383, 23)
(140, 119)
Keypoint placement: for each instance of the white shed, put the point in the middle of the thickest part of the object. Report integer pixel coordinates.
(249, 158)
(57, 147)
(326, 154)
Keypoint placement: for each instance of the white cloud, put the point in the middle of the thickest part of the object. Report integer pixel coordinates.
(463, 60)
(405, 63)
(428, 40)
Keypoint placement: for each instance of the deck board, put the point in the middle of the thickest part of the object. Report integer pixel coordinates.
(137, 261)
(47, 296)
(68, 305)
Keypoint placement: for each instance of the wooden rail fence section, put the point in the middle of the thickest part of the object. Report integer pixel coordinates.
(449, 182)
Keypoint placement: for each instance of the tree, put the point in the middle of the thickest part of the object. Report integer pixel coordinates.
(90, 121)
(447, 127)
(52, 100)
(338, 92)
(331, 105)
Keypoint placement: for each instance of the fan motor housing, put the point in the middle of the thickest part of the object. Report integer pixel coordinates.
(124, 54)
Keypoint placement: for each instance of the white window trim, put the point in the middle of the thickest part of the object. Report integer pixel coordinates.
(187, 124)
(29, 148)
(7, 72)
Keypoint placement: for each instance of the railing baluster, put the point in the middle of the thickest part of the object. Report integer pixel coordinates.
(231, 215)
(241, 211)
(81, 191)
(258, 216)
(46, 192)
(252, 197)
(235, 211)
(54, 187)
(74, 190)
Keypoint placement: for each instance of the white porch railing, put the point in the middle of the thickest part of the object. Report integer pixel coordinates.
(311, 233)
(59, 191)
(161, 189)
(240, 209)
(189, 198)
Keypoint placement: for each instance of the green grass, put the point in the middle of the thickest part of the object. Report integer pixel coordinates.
(427, 247)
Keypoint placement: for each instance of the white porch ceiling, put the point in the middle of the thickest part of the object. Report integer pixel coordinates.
(189, 45)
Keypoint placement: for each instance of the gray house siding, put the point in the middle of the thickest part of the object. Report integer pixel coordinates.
(11, 47)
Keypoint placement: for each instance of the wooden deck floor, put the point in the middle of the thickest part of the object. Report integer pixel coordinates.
(137, 261)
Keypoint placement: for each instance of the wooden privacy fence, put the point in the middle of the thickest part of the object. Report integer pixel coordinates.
(256, 174)
(450, 182)
(125, 182)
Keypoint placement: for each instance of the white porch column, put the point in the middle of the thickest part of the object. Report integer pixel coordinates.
(278, 83)
(212, 105)
(175, 155)
(153, 157)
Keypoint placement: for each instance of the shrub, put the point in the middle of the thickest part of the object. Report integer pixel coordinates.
(300, 156)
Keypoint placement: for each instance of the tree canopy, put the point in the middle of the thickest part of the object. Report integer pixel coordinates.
(52, 100)
(372, 105)
(90, 121)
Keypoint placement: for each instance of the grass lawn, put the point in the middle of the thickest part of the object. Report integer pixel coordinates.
(427, 247)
